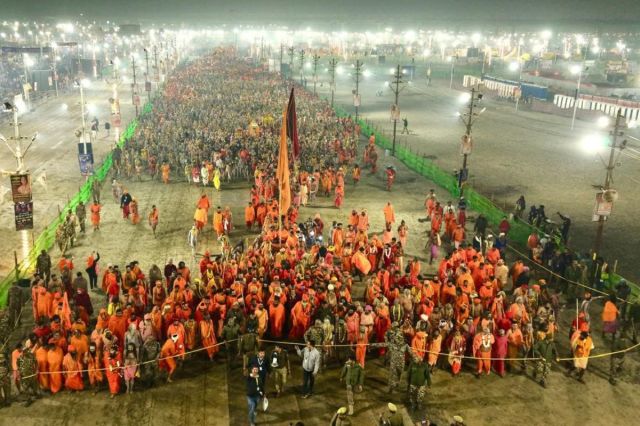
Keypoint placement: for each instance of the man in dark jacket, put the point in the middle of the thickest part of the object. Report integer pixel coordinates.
(255, 391)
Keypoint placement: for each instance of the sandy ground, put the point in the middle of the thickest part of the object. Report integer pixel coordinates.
(207, 394)
(515, 153)
(54, 155)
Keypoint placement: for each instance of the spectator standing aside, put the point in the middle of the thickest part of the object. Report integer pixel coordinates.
(310, 365)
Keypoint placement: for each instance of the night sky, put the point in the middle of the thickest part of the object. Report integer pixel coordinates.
(344, 12)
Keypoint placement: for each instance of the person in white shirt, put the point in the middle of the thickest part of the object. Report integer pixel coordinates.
(310, 366)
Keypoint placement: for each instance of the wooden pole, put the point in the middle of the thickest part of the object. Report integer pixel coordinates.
(15, 260)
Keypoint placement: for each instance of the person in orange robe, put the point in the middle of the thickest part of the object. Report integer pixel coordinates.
(356, 174)
(435, 346)
(165, 168)
(610, 316)
(168, 356)
(208, 336)
(134, 210)
(54, 364)
(154, 219)
(203, 203)
(482, 344)
(339, 199)
(361, 346)
(43, 303)
(249, 215)
(72, 370)
(218, 225)
(276, 314)
(95, 215)
(389, 214)
(43, 366)
(94, 365)
(113, 370)
(118, 325)
(300, 318)
(419, 344)
(81, 344)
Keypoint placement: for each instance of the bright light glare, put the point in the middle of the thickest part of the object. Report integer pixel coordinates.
(603, 122)
(91, 108)
(85, 82)
(339, 70)
(426, 53)
(575, 69)
(592, 144)
(64, 107)
(366, 73)
(513, 66)
(464, 97)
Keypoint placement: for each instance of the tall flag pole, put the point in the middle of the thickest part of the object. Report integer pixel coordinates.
(292, 126)
(282, 172)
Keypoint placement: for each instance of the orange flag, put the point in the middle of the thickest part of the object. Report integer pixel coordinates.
(282, 172)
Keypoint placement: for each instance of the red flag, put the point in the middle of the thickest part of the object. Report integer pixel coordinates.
(292, 126)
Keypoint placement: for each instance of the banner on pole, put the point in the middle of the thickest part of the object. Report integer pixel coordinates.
(395, 112)
(603, 206)
(23, 215)
(86, 164)
(21, 187)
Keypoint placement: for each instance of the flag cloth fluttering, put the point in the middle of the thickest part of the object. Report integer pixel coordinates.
(292, 126)
(282, 172)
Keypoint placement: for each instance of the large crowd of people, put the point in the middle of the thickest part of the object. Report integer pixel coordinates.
(347, 292)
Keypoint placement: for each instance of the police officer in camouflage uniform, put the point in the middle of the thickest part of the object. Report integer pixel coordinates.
(5, 326)
(230, 333)
(5, 381)
(396, 347)
(316, 333)
(43, 266)
(150, 351)
(15, 304)
(247, 346)
(81, 214)
(70, 228)
(28, 368)
(418, 378)
(545, 350)
(617, 359)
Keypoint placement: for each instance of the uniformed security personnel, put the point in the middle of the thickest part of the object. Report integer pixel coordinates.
(397, 348)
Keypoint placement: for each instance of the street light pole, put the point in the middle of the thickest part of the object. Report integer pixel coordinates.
(55, 67)
(575, 101)
(356, 100)
(147, 82)
(157, 70)
(396, 91)
(466, 138)
(134, 87)
(453, 62)
(316, 58)
(301, 65)
(17, 139)
(84, 124)
(615, 134)
(291, 51)
(332, 69)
